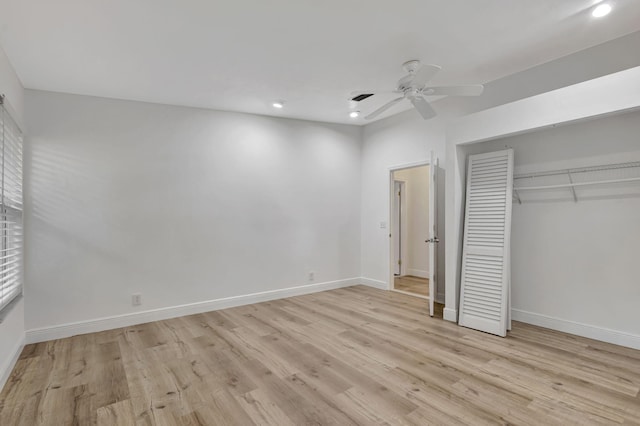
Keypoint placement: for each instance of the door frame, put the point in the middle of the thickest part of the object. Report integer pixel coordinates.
(390, 187)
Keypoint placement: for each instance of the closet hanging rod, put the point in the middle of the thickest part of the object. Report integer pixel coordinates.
(573, 185)
(579, 170)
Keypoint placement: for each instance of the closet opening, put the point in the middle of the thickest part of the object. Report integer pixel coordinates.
(575, 233)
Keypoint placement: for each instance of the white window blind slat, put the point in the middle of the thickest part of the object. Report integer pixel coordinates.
(11, 236)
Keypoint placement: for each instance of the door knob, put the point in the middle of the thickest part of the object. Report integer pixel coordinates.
(432, 240)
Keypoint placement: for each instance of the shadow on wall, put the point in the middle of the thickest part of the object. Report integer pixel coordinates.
(68, 227)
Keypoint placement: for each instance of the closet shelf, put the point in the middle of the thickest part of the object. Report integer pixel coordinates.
(570, 173)
(571, 185)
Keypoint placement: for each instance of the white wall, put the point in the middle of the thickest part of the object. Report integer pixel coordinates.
(597, 61)
(575, 264)
(100, 173)
(406, 138)
(416, 251)
(11, 87)
(182, 205)
(603, 96)
(12, 321)
(396, 141)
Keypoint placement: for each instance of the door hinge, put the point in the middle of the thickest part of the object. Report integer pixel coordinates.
(399, 262)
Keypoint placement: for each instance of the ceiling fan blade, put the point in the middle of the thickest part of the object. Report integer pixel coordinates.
(424, 74)
(471, 90)
(424, 108)
(383, 108)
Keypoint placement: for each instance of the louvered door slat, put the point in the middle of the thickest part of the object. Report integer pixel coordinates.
(487, 231)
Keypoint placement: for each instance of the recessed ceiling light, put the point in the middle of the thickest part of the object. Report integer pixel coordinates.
(278, 104)
(601, 10)
(354, 114)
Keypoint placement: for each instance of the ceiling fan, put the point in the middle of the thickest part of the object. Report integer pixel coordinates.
(413, 87)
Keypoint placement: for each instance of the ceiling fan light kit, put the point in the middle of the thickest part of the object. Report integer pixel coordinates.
(413, 87)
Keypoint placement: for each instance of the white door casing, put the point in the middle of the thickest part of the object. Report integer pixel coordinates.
(433, 231)
(396, 230)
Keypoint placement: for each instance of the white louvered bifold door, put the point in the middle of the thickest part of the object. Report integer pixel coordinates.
(484, 299)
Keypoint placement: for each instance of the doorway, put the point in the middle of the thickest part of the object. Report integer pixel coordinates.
(410, 229)
(412, 265)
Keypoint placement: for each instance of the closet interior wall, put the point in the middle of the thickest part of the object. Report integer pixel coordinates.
(574, 263)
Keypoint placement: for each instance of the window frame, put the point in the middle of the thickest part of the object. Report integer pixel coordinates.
(11, 209)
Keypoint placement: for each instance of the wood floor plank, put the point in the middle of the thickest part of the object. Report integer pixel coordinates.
(349, 356)
(562, 366)
(411, 284)
(433, 416)
(120, 413)
(263, 411)
(295, 398)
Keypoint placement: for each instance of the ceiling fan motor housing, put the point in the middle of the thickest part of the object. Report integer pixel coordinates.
(405, 83)
(411, 66)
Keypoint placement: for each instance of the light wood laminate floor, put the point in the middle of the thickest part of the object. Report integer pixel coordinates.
(350, 356)
(412, 284)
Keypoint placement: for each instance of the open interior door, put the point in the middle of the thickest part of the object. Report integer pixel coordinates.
(433, 230)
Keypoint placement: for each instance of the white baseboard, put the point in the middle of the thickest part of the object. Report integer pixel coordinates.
(418, 273)
(374, 283)
(7, 366)
(450, 314)
(585, 330)
(125, 320)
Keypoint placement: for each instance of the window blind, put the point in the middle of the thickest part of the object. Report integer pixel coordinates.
(11, 235)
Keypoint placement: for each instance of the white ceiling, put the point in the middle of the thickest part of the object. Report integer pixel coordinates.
(241, 55)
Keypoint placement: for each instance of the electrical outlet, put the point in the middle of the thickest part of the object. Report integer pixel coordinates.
(136, 299)
(312, 276)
